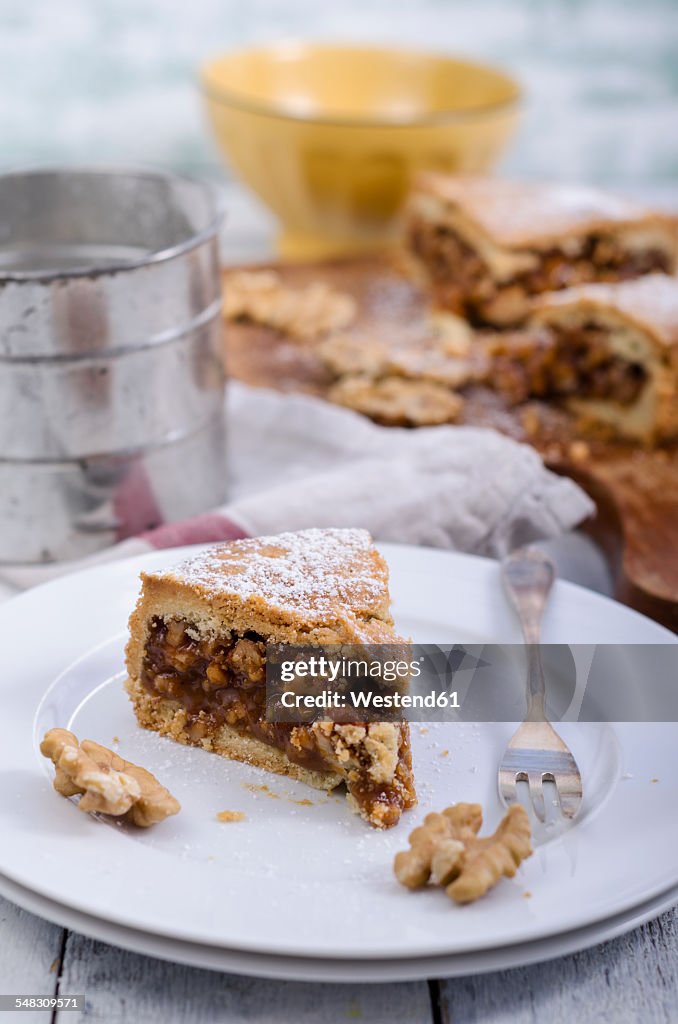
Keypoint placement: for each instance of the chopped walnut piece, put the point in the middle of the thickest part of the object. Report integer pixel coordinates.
(446, 848)
(372, 746)
(493, 857)
(395, 401)
(106, 783)
(413, 867)
(303, 314)
(248, 659)
(452, 334)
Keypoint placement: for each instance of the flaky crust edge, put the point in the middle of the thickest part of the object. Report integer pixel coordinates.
(448, 195)
(168, 597)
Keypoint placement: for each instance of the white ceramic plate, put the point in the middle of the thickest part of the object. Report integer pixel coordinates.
(313, 880)
(292, 968)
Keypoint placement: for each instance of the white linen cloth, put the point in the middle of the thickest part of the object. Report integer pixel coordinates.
(295, 461)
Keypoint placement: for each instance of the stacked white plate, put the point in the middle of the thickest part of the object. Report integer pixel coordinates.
(301, 888)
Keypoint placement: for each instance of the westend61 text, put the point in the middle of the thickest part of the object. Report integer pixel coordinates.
(367, 699)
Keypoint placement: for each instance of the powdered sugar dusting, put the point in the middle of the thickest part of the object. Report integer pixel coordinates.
(291, 571)
(584, 201)
(552, 209)
(512, 211)
(652, 300)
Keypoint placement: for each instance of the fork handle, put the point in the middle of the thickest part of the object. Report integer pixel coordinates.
(528, 578)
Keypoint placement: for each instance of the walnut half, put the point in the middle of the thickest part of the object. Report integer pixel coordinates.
(106, 783)
(447, 849)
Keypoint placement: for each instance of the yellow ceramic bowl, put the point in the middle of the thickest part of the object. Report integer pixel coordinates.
(329, 136)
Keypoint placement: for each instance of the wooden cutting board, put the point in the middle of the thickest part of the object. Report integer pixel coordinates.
(635, 490)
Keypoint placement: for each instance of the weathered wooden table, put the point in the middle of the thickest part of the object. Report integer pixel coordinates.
(632, 979)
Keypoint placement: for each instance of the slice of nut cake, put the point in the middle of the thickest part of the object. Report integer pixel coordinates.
(196, 659)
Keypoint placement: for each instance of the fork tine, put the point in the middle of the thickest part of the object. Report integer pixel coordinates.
(537, 795)
(507, 787)
(569, 805)
(568, 788)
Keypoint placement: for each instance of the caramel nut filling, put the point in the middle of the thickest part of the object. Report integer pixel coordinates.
(463, 283)
(217, 682)
(223, 682)
(562, 362)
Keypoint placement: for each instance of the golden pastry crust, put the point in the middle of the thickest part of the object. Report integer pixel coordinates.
(536, 215)
(397, 401)
(311, 587)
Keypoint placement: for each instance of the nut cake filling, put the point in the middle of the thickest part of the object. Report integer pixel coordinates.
(564, 362)
(463, 283)
(222, 682)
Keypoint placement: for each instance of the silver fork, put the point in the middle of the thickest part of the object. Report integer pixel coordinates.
(536, 753)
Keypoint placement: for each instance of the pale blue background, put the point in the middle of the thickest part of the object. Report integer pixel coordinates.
(94, 80)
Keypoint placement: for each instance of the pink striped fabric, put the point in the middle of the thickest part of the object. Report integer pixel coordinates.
(198, 530)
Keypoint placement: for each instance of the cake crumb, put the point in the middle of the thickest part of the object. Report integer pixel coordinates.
(444, 753)
(579, 451)
(527, 895)
(255, 787)
(304, 803)
(231, 816)
(654, 780)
